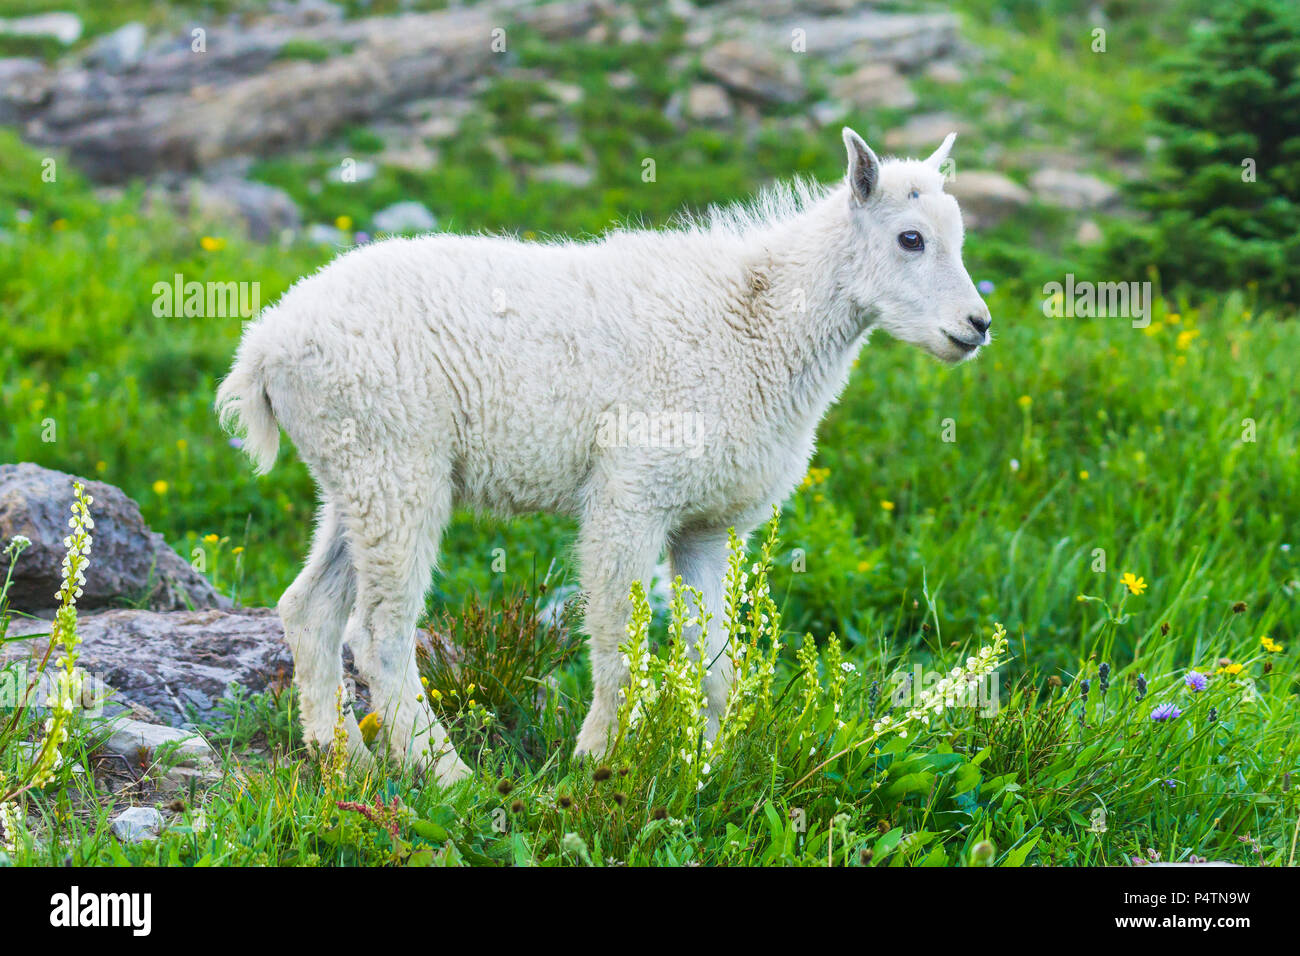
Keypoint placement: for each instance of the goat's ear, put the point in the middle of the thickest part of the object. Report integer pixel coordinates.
(864, 168)
(937, 158)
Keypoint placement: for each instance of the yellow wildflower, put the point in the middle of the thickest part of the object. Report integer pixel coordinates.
(1270, 645)
(1134, 584)
(160, 487)
(887, 505)
(370, 725)
(1024, 401)
(212, 243)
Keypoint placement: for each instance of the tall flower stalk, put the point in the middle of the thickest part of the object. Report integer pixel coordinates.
(66, 680)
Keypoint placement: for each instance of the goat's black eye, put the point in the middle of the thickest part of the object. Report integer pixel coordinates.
(911, 240)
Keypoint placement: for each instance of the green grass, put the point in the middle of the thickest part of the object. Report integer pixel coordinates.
(1081, 449)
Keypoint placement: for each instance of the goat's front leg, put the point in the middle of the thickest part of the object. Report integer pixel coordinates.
(700, 559)
(615, 549)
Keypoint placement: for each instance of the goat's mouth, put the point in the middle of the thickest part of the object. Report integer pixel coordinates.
(966, 347)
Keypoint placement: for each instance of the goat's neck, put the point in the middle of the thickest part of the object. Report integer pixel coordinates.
(804, 321)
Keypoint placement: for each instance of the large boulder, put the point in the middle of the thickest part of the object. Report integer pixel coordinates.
(177, 663)
(128, 562)
(191, 102)
(986, 198)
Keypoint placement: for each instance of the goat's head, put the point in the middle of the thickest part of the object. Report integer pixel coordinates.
(906, 272)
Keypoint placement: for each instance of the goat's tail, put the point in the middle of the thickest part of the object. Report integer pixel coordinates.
(244, 405)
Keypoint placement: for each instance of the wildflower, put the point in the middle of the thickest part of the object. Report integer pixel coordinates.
(160, 487)
(1014, 464)
(343, 223)
(238, 550)
(1084, 687)
(236, 443)
(1213, 714)
(1024, 401)
(517, 807)
(985, 286)
(1141, 686)
(1230, 668)
(212, 243)
(887, 505)
(1083, 475)
(864, 567)
(211, 538)
(1196, 681)
(11, 824)
(602, 774)
(1239, 607)
(1134, 584)
(504, 786)
(1166, 712)
(1270, 645)
(370, 726)
(63, 637)
(1103, 678)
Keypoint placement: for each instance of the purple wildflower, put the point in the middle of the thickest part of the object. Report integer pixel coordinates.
(1196, 681)
(986, 287)
(236, 443)
(1166, 712)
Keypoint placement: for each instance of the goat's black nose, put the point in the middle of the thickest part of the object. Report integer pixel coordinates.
(981, 324)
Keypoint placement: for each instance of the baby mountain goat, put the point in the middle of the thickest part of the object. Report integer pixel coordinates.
(415, 375)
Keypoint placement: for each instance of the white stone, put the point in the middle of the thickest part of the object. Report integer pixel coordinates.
(137, 824)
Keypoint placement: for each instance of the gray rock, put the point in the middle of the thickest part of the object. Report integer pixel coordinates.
(409, 216)
(986, 198)
(121, 50)
(921, 135)
(264, 211)
(1088, 233)
(708, 103)
(139, 742)
(876, 86)
(150, 657)
(1072, 190)
(137, 824)
(24, 84)
(183, 110)
(64, 27)
(323, 234)
(903, 39)
(128, 562)
(946, 72)
(566, 174)
(760, 71)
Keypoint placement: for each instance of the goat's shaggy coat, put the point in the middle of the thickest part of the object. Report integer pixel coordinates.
(415, 375)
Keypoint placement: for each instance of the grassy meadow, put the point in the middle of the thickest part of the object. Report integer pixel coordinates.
(1123, 501)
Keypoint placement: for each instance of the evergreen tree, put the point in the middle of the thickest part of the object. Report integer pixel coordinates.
(1225, 189)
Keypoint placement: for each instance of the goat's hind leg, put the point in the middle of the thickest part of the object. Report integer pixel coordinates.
(394, 549)
(314, 611)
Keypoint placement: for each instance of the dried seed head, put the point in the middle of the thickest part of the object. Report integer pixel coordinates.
(1239, 607)
(504, 786)
(602, 774)
(566, 801)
